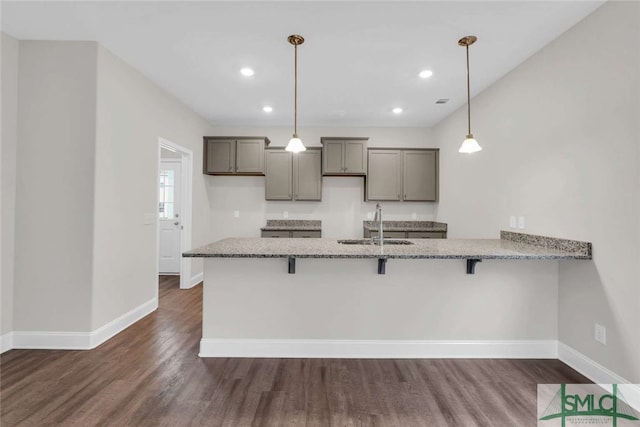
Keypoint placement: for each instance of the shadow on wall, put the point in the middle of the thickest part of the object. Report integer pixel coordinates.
(583, 298)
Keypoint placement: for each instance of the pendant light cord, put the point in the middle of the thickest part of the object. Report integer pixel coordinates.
(468, 95)
(295, 92)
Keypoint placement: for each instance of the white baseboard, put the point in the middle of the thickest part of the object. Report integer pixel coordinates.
(6, 342)
(195, 280)
(378, 349)
(598, 373)
(47, 340)
(117, 325)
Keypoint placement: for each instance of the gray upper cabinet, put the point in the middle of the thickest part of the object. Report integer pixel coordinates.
(220, 156)
(332, 155)
(384, 178)
(402, 175)
(420, 175)
(307, 175)
(278, 173)
(234, 155)
(293, 176)
(344, 156)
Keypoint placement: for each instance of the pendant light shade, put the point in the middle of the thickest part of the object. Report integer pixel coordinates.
(469, 145)
(295, 144)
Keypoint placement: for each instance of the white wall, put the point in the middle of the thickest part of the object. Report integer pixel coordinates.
(132, 113)
(561, 146)
(54, 191)
(9, 90)
(342, 208)
(86, 172)
(345, 299)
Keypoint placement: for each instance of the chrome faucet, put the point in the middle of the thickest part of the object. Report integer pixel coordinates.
(378, 219)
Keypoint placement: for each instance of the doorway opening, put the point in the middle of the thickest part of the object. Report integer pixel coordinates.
(174, 195)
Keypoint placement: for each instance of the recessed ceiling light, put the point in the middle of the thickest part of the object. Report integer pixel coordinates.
(267, 108)
(397, 110)
(425, 74)
(246, 72)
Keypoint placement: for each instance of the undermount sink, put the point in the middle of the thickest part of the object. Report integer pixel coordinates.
(370, 242)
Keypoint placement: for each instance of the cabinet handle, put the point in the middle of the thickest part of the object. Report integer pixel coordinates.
(398, 195)
(345, 169)
(405, 196)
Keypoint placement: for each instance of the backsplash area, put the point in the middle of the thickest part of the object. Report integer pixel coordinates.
(341, 210)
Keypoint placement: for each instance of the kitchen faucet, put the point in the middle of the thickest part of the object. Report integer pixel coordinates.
(378, 219)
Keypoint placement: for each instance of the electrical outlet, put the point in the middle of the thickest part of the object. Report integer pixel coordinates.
(512, 222)
(369, 215)
(285, 214)
(414, 215)
(521, 222)
(236, 214)
(600, 333)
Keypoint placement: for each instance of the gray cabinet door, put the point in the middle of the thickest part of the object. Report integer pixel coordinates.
(426, 234)
(278, 175)
(419, 181)
(299, 233)
(384, 177)
(332, 157)
(221, 156)
(250, 156)
(390, 234)
(281, 234)
(355, 157)
(307, 175)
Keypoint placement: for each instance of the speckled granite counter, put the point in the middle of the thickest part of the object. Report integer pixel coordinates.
(292, 225)
(405, 226)
(509, 246)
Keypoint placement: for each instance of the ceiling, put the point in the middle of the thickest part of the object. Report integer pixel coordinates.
(359, 60)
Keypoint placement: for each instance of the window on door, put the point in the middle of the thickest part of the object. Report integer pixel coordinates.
(167, 194)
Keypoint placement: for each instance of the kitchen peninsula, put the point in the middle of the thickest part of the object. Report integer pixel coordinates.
(338, 305)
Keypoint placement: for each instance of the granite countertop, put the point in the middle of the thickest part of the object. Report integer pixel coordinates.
(405, 226)
(292, 225)
(509, 246)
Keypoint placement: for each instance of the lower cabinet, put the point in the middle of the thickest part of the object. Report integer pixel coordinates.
(408, 234)
(293, 176)
(287, 234)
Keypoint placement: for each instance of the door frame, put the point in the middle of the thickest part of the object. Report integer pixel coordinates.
(186, 198)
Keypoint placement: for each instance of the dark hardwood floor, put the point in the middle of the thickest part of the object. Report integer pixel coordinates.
(151, 375)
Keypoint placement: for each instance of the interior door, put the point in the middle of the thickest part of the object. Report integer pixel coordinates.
(169, 217)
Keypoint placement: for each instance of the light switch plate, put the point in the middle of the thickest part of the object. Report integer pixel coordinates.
(149, 219)
(285, 214)
(512, 222)
(521, 222)
(369, 215)
(414, 215)
(600, 333)
(236, 214)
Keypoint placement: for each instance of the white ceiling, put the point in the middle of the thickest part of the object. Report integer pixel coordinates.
(359, 60)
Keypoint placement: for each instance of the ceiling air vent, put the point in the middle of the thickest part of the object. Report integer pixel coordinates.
(442, 101)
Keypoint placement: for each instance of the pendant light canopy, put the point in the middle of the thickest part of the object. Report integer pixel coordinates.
(469, 145)
(295, 144)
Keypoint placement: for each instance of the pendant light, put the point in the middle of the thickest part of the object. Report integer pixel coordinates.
(469, 145)
(295, 143)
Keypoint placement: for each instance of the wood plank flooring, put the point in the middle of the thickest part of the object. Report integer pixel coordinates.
(151, 375)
